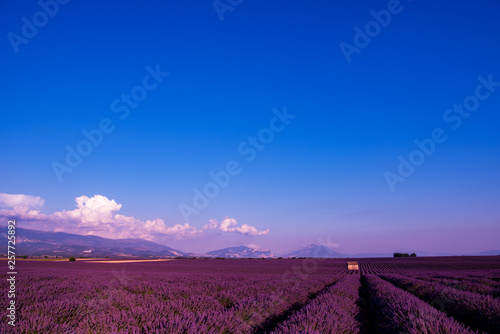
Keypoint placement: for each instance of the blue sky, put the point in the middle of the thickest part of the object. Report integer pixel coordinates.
(321, 177)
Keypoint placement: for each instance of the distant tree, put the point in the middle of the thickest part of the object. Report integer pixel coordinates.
(413, 255)
(25, 256)
(402, 255)
(72, 259)
(46, 257)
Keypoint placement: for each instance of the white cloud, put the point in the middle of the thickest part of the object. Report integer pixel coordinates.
(230, 225)
(99, 216)
(211, 225)
(13, 200)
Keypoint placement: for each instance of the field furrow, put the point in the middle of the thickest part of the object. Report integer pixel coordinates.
(480, 312)
(278, 296)
(397, 311)
(335, 310)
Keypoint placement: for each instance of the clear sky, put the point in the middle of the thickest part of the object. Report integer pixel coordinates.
(311, 109)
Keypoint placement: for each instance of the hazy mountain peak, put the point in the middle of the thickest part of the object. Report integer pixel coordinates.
(241, 252)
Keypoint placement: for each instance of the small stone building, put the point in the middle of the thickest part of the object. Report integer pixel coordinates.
(352, 265)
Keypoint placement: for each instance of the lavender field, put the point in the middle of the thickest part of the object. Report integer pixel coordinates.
(391, 295)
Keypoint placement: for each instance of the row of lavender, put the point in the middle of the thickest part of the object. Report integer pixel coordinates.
(335, 310)
(396, 311)
(479, 282)
(480, 312)
(489, 265)
(390, 310)
(329, 299)
(83, 301)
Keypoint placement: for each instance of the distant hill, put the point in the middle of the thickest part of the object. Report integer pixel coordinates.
(490, 252)
(317, 252)
(241, 252)
(37, 243)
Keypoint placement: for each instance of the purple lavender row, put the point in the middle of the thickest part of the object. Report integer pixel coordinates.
(486, 277)
(333, 311)
(397, 311)
(480, 312)
(479, 285)
(85, 301)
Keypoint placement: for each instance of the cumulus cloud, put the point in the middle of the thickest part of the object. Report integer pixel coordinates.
(13, 200)
(98, 215)
(211, 225)
(230, 225)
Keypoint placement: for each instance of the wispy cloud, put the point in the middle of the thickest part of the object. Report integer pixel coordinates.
(328, 242)
(13, 200)
(253, 246)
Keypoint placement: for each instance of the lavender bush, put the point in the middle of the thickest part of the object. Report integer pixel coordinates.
(256, 296)
(397, 311)
(480, 312)
(83, 301)
(333, 311)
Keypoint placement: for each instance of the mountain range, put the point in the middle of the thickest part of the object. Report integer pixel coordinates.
(241, 252)
(39, 243)
(321, 251)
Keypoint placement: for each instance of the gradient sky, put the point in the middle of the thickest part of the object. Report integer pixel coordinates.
(319, 180)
